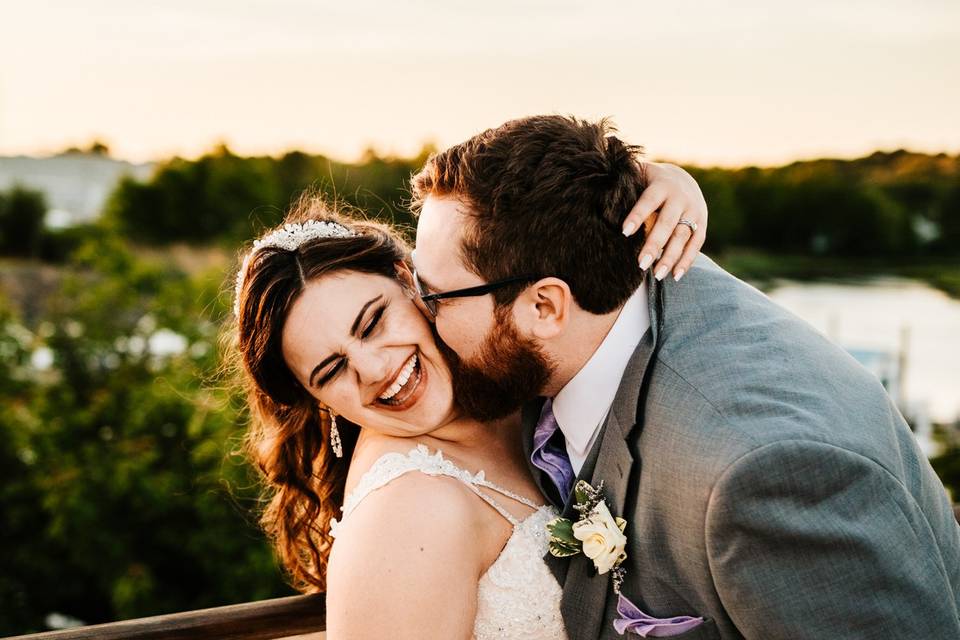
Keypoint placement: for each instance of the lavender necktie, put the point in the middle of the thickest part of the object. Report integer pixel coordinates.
(550, 452)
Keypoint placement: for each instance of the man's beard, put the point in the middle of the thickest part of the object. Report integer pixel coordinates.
(508, 371)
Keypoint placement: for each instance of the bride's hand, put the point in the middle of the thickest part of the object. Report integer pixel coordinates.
(677, 196)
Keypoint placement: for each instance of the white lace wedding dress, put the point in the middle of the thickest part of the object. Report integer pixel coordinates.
(517, 597)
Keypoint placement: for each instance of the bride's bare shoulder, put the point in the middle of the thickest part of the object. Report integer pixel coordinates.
(414, 504)
(410, 552)
(410, 490)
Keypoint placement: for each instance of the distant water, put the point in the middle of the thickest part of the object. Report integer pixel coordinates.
(872, 315)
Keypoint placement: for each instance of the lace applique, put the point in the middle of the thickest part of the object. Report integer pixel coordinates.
(391, 466)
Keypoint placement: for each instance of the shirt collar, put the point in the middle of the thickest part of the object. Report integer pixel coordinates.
(583, 403)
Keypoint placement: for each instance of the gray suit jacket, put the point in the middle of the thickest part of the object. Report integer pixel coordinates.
(769, 483)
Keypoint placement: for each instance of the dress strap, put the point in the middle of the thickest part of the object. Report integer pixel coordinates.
(510, 494)
(496, 505)
(391, 466)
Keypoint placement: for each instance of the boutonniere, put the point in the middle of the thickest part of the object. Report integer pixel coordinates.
(597, 534)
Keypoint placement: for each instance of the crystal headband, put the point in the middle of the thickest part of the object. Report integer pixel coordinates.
(289, 237)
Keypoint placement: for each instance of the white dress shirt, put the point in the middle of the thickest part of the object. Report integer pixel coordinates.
(582, 405)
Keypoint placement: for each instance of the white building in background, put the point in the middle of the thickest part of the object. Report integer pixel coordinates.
(76, 185)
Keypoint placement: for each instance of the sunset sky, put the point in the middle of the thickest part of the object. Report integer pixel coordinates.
(708, 83)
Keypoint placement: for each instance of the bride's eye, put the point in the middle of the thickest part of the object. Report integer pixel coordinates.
(375, 318)
(374, 321)
(327, 377)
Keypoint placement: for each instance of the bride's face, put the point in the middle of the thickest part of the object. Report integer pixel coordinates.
(361, 347)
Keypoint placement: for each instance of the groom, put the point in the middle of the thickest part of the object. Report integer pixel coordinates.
(771, 488)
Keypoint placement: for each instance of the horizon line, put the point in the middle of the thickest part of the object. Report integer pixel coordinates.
(216, 147)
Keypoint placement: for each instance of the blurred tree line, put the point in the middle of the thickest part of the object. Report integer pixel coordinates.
(898, 204)
(225, 198)
(120, 493)
(889, 205)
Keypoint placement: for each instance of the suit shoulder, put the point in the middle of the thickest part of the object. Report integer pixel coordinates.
(757, 364)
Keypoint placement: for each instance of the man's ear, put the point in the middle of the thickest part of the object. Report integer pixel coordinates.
(542, 310)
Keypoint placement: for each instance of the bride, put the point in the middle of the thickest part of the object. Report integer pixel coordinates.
(416, 520)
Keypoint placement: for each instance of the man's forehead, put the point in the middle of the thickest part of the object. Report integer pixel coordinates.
(439, 227)
(441, 214)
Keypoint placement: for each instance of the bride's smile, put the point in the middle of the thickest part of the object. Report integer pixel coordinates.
(403, 390)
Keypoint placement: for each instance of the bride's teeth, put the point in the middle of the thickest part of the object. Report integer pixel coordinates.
(402, 378)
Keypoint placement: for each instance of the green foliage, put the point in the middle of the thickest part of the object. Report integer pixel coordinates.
(21, 221)
(194, 201)
(885, 205)
(120, 493)
(563, 543)
(22, 230)
(56, 245)
(223, 197)
(947, 466)
(946, 215)
(894, 205)
(726, 216)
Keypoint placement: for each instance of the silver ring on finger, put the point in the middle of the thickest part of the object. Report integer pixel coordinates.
(689, 223)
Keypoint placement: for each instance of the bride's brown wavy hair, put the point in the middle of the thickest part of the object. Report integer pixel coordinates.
(288, 439)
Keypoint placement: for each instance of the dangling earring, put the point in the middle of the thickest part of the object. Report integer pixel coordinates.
(335, 435)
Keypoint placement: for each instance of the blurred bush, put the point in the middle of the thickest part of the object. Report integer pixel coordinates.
(22, 212)
(119, 493)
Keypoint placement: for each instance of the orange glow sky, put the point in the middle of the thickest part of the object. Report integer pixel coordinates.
(742, 82)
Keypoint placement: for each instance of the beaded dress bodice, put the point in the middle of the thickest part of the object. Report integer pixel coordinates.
(517, 597)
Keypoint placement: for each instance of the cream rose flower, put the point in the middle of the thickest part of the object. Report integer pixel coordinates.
(602, 538)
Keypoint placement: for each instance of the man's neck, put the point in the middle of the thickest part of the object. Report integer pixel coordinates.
(576, 346)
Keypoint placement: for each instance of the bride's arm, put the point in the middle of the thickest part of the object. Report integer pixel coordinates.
(406, 564)
(677, 196)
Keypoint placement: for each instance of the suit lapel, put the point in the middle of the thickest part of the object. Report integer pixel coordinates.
(584, 590)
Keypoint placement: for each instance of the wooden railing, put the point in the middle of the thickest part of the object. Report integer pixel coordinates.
(265, 620)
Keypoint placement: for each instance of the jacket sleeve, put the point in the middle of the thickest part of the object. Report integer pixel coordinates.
(809, 540)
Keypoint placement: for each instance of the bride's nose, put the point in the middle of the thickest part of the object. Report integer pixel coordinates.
(372, 365)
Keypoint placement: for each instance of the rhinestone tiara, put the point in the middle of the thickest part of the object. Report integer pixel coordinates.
(289, 237)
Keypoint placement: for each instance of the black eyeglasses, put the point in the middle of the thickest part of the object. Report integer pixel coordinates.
(430, 299)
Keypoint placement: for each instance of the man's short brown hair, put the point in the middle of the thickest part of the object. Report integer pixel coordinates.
(546, 196)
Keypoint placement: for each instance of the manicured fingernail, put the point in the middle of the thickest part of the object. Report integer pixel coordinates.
(645, 262)
(678, 275)
(661, 273)
(629, 228)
